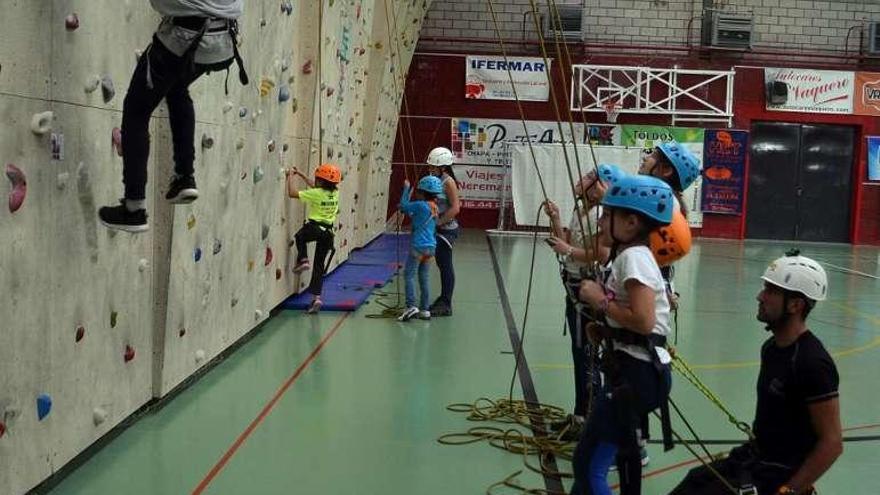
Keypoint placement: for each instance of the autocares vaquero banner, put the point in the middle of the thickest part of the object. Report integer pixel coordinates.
(867, 97)
(813, 91)
(724, 160)
(486, 77)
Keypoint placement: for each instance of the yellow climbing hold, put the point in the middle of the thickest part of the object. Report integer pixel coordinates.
(191, 222)
(266, 86)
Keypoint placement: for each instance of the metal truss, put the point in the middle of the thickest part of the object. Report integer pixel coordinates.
(681, 93)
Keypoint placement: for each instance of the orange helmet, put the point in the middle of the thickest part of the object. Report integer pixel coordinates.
(672, 242)
(329, 172)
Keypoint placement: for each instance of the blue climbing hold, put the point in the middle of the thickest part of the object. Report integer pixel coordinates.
(197, 254)
(44, 406)
(283, 94)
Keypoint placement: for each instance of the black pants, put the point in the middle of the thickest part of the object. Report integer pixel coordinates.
(581, 353)
(323, 237)
(443, 256)
(171, 77)
(740, 468)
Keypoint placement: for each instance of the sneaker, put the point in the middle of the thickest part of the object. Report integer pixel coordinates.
(315, 306)
(440, 308)
(643, 454)
(409, 314)
(182, 190)
(302, 266)
(424, 315)
(118, 217)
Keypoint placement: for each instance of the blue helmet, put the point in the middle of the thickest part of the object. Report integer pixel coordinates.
(685, 163)
(643, 194)
(431, 184)
(610, 173)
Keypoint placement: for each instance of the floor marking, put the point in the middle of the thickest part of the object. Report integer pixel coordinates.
(268, 407)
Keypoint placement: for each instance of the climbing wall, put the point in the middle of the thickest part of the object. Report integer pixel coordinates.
(96, 322)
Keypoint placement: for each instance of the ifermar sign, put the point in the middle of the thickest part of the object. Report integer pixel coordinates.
(488, 77)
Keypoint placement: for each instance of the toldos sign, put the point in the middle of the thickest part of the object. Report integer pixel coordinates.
(487, 77)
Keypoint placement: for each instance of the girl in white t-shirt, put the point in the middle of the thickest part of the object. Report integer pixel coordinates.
(633, 299)
(576, 251)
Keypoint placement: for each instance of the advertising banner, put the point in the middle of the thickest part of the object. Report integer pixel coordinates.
(724, 160)
(648, 136)
(867, 97)
(873, 157)
(487, 78)
(482, 152)
(813, 91)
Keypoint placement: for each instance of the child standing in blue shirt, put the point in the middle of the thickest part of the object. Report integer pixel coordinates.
(423, 212)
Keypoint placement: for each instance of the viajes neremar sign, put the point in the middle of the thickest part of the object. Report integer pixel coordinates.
(487, 77)
(814, 91)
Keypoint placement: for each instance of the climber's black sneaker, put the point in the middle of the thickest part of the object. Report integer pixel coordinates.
(182, 190)
(118, 217)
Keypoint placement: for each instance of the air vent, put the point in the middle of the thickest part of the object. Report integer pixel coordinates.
(874, 38)
(730, 30)
(568, 25)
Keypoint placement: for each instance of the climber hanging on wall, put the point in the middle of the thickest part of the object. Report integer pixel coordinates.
(195, 37)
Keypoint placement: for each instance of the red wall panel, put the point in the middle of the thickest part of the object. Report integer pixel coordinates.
(435, 93)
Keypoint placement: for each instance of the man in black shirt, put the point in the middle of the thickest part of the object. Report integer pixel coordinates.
(797, 420)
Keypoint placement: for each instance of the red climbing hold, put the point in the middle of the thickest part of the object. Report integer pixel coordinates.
(278, 274)
(80, 333)
(269, 256)
(129, 353)
(116, 139)
(307, 67)
(71, 22)
(2, 429)
(19, 187)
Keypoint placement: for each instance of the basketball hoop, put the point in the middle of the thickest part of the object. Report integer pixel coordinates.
(612, 110)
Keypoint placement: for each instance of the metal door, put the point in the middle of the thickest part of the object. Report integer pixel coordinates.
(826, 159)
(773, 165)
(800, 182)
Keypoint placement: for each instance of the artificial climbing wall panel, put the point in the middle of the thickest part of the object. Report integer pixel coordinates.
(98, 322)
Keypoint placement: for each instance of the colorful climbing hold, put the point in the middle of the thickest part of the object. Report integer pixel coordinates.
(294, 105)
(197, 254)
(265, 232)
(129, 353)
(266, 86)
(207, 142)
(181, 332)
(285, 148)
(99, 415)
(287, 7)
(234, 302)
(218, 246)
(114, 316)
(258, 175)
(307, 67)
(330, 91)
(108, 91)
(80, 333)
(71, 22)
(269, 256)
(116, 140)
(41, 123)
(271, 146)
(2, 429)
(19, 187)
(242, 112)
(44, 406)
(283, 94)
(278, 273)
(190, 222)
(250, 265)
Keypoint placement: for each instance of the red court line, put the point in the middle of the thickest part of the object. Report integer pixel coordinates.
(268, 408)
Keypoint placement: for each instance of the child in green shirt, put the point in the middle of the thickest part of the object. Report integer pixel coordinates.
(322, 201)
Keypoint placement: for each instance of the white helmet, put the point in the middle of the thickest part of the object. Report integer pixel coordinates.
(440, 157)
(798, 274)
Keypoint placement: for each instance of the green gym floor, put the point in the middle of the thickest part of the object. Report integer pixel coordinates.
(348, 404)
